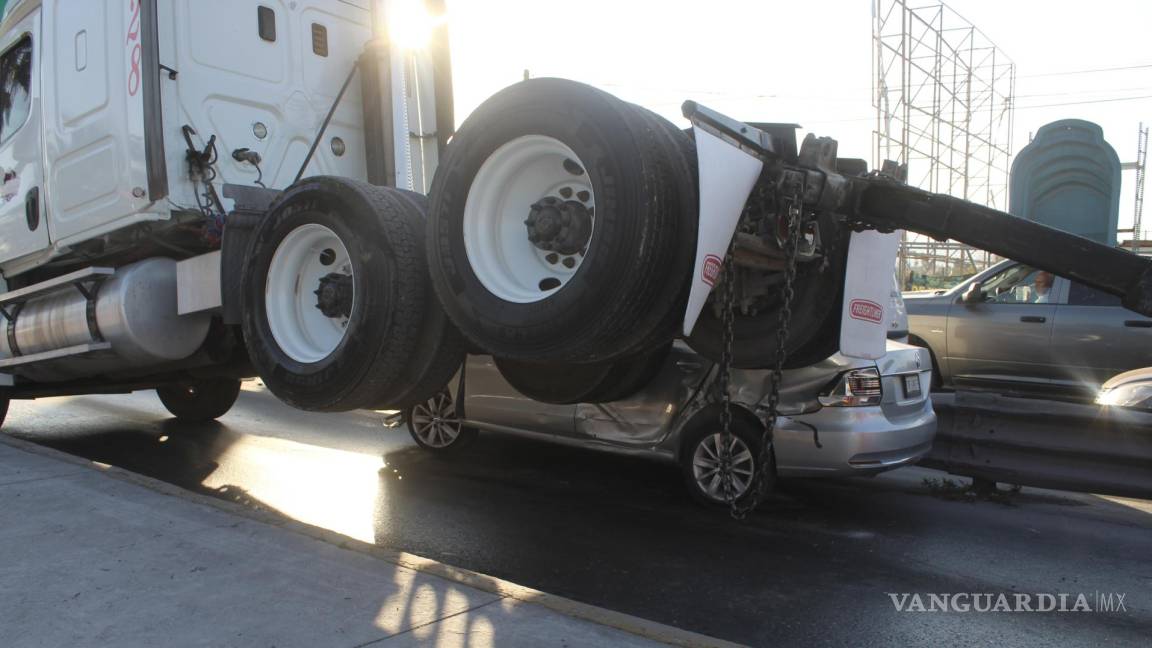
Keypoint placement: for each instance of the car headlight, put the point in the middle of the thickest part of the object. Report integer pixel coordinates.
(1136, 394)
(855, 388)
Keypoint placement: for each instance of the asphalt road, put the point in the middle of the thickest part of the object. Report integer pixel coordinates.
(814, 567)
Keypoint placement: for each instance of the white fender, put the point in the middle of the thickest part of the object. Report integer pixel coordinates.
(866, 311)
(727, 176)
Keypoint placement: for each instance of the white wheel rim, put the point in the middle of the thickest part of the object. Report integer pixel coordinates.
(515, 177)
(303, 257)
(707, 467)
(434, 421)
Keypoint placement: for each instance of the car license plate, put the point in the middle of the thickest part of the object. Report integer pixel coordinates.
(912, 386)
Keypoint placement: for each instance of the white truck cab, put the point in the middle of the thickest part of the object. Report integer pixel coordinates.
(100, 100)
(126, 129)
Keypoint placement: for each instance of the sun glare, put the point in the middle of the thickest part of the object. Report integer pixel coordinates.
(409, 24)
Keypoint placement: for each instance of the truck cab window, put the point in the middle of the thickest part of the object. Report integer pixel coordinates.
(15, 87)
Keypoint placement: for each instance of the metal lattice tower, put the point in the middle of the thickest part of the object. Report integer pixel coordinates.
(1141, 165)
(944, 96)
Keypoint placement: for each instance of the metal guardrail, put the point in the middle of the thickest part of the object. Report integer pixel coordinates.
(1043, 443)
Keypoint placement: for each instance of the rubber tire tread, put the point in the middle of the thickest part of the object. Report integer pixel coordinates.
(382, 236)
(617, 302)
(569, 384)
(676, 164)
(555, 383)
(629, 376)
(441, 349)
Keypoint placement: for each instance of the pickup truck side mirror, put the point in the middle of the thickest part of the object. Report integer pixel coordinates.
(974, 294)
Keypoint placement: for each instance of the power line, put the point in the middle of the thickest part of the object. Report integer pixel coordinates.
(1051, 105)
(1089, 71)
(1081, 92)
(1078, 103)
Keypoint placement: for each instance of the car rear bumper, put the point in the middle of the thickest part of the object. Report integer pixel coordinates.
(853, 440)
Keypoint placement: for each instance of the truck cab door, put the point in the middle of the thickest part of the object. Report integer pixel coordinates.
(21, 198)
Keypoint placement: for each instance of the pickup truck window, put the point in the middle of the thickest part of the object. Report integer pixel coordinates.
(15, 87)
(1019, 284)
(1081, 295)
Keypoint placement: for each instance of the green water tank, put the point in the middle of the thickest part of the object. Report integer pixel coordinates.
(1068, 177)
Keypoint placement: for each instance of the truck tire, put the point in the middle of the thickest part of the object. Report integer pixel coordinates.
(588, 177)
(678, 167)
(629, 376)
(3, 409)
(335, 290)
(568, 384)
(814, 330)
(199, 401)
(441, 349)
(557, 383)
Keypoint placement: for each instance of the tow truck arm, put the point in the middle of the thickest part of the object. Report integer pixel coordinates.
(1116, 271)
(881, 201)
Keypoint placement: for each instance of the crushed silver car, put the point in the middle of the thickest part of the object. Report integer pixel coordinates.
(841, 416)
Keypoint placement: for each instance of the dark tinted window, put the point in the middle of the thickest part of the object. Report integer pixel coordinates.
(1081, 295)
(15, 87)
(266, 23)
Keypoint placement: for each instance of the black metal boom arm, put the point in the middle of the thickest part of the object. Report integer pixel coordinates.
(1116, 271)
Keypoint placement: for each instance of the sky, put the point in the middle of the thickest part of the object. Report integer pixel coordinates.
(806, 62)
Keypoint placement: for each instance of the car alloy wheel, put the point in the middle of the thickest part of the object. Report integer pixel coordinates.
(435, 425)
(709, 460)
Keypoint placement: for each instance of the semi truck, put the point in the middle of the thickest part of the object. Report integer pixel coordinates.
(198, 192)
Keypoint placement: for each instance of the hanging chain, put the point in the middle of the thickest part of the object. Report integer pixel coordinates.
(756, 490)
(728, 316)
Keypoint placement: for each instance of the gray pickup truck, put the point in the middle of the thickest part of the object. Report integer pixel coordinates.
(1015, 328)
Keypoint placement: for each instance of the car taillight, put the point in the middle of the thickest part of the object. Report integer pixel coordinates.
(855, 388)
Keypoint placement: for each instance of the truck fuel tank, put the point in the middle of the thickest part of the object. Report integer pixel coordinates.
(130, 322)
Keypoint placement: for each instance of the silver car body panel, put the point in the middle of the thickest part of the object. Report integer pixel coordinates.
(1094, 343)
(648, 424)
(646, 419)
